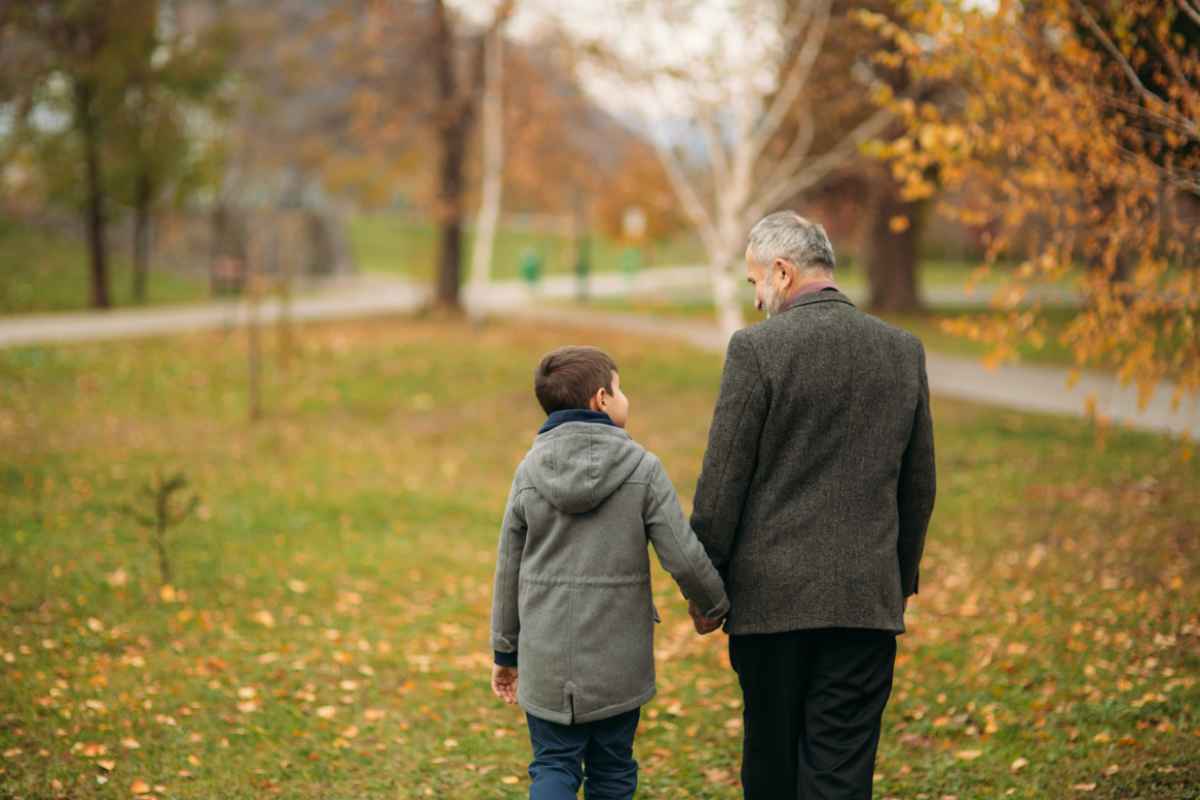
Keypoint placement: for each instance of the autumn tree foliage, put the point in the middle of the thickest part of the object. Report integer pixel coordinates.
(105, 97)
(890, 226)
(1075, 140)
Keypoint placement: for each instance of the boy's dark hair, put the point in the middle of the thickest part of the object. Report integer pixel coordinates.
(569, 376)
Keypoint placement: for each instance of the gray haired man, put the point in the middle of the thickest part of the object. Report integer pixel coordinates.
(813, 501)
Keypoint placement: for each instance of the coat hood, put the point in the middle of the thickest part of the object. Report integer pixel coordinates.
(578, 465)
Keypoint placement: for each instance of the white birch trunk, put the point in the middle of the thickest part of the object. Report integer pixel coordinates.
(725, 297)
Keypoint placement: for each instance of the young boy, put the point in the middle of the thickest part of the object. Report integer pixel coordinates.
(572, 590)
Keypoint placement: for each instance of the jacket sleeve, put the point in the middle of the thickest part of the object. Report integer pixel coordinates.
(678, 549)
(506, 623)
(916, 487)
(732, 453)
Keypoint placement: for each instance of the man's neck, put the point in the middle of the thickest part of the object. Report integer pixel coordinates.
(809, 285)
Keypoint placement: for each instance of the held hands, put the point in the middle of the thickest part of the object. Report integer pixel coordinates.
(703, 624)
(504, 683)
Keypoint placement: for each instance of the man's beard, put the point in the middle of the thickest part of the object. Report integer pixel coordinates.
(772, 301)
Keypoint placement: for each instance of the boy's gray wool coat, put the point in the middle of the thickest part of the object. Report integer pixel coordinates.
(818, 482)
(572, 591)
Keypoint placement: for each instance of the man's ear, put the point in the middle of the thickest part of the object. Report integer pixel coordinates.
(785, 274)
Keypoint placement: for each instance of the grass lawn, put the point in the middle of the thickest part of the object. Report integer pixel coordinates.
(326, 635)
(40, 271)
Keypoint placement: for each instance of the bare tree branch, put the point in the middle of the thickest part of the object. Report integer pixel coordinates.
(1150, 97)
(784, 185)
(1191, 10)
(715, 146)
(816, 25)
(693, 206)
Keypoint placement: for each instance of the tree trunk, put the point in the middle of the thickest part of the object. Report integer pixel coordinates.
(452, 136)
(94, 218)
(891, 250)
(493, 165)
(721, 264)
(143, 195)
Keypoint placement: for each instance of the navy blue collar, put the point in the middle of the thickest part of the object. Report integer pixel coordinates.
(575, 415)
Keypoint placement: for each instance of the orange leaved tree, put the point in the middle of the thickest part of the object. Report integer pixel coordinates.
(1074, 144)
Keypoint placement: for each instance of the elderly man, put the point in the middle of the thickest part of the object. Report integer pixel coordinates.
(816, 490)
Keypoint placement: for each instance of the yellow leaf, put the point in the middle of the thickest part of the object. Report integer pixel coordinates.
(968, 755)
(106, 764)
(139, 786)
(509, 780)
(1019, 764)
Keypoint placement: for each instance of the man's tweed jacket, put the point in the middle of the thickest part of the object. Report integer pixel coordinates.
(818, 482)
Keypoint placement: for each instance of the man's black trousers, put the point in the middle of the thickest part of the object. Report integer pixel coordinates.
(814, 701)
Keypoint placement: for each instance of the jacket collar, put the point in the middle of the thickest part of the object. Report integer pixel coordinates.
(822, 296)
(575, 415)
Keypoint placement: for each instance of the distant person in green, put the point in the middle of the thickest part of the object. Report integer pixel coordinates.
(572, 593)
(531, 266)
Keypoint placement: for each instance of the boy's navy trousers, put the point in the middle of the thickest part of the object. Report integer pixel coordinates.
(598, 755)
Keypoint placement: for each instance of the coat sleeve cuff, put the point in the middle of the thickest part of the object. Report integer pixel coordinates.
(505, 659)
(720, 611)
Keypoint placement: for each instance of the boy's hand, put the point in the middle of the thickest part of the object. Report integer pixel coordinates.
(504, 683)
(703, 624)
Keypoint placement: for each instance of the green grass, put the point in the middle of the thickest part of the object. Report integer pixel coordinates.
(327, 632)
(389, 242)
(41, 271)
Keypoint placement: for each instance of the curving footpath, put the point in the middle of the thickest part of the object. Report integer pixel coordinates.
(1017, 386)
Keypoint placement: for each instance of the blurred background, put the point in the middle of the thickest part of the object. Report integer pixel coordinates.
(274, 275)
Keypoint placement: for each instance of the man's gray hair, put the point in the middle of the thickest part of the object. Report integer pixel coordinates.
(787, 235)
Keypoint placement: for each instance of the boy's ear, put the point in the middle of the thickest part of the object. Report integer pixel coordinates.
(596, 401)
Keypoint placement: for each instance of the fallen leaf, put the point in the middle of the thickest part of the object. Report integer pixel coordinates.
(139, 786)
(968, 755)
(1019, 764)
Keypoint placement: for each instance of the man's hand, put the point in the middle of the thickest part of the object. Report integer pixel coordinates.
(703, 624)
(504, 683)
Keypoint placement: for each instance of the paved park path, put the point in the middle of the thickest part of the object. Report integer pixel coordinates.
(1021, 387)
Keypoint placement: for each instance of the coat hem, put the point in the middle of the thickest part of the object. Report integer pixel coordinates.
(741, 629)
(564, 717)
